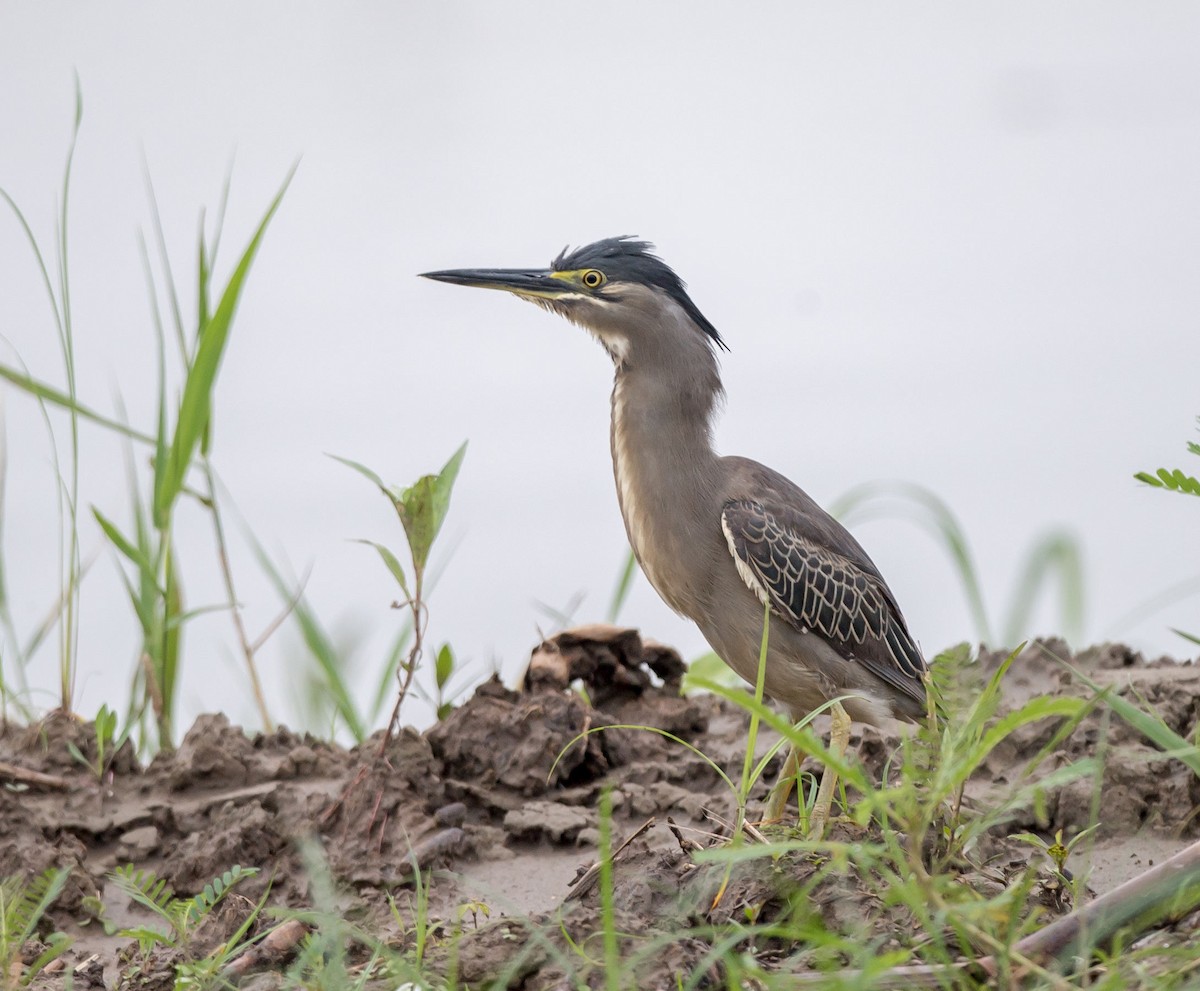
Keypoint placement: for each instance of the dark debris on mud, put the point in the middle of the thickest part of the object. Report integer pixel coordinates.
(501, 802)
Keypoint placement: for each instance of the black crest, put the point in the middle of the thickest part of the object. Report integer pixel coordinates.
(626, 259)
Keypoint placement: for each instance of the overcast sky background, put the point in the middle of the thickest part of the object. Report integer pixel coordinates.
(949, 244)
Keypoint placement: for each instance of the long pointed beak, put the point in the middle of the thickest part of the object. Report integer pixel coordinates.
(531, 282)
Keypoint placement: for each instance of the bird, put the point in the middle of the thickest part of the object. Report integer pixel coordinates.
(726, 541)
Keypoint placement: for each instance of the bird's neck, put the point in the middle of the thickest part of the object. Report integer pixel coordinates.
(665, 465)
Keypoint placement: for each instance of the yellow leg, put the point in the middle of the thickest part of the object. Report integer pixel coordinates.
(839, 739)
(778, 799)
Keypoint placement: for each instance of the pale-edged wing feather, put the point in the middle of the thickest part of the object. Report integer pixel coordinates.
(816, 577)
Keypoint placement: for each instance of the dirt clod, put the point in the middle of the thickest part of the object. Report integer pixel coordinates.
(500, 800)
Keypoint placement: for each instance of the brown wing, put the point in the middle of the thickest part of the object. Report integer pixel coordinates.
(822, 590)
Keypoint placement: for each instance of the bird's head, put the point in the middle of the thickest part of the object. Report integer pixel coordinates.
(617, 289)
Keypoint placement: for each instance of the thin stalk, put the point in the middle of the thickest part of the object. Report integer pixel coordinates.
(752, 732)
(69, 563)
(234, 608)
(748, 766)
(161, 693)
(608, 921)
(417, 607)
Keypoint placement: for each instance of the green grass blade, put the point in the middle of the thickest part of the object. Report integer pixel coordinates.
(320, 646)
(196, 403)
(1149, 725)
(624, 584)
(1190, 637)
(164, 257)
(122, 543)
(47, 393)
(385, 684)
(203, 277)
(665, 734)
(168, 662)
(43, 269)
(6, 621)
(930, 512)
(1057, 553)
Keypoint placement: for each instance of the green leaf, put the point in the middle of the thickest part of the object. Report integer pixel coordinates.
(1032, 839)
(444, 666)
(49, 394)
(123, 543)
(106, 725)
(366, 473)
(203, 276)
(1173, 479)
(709, 667)
(146, 888)
(196, 403)
(392, 562)
(423, 507)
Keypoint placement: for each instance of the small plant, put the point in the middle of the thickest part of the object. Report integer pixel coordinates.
(22, 906)
(422, 509)
(182, 915)
(180, 448)
(444, 669)
(324, 962)
(1057, 850)
(58, 289)
(474, 909)
(181, 442)
(104, 726)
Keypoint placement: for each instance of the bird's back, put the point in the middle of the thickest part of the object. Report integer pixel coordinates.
(838, 615)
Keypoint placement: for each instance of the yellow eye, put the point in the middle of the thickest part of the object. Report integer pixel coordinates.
(593, 279)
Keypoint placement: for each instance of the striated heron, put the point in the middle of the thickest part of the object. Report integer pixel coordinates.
(722, 539)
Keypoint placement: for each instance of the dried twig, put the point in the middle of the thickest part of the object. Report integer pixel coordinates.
(688, 846)
(35, 779)
(1162, 895)
(270, 950)
(583, 883)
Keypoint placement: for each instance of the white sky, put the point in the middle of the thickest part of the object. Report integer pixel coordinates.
(968, 234)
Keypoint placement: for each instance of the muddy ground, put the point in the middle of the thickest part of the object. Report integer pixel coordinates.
(485, 800)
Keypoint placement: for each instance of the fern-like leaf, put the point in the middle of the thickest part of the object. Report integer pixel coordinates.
(205, 901)
(22, 904)
(147, 889)
(1172, 479)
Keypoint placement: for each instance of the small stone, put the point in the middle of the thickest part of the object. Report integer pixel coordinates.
(558, 823)
(138, 843)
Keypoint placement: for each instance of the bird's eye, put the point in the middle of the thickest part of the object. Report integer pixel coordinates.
(593, 279)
